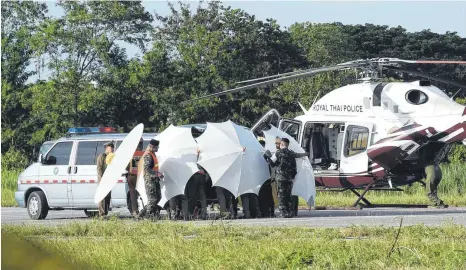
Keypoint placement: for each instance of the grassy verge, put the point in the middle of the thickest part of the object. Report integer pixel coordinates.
(146, 245)
(451, 190)
(9, 186)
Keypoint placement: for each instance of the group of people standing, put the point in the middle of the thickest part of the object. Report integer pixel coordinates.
(282, 166)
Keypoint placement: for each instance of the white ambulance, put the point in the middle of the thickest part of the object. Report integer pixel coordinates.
(65, 175)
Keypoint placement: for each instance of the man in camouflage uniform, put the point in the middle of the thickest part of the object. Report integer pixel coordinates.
(151, 180)
(102, 161)
(433, 176)
(285, 161)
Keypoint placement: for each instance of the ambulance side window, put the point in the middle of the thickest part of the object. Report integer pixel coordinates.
(100, 150)
(86, 153)
(60, 154)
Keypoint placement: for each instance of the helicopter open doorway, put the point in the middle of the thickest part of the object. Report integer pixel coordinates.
(333, 147)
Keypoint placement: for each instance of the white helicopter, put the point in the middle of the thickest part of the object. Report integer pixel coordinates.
(372, 135)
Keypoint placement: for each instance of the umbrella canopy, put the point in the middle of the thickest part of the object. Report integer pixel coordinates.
(304, 184)
(233, 158)
(116, 168)
(176, 172)
(177, 160)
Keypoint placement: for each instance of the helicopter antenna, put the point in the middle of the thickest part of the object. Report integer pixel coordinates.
(302, 107)
(456, 94)
(318, 93)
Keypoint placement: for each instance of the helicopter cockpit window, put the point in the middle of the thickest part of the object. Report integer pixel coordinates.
(291, 129)
(356, 140)
(416, 97)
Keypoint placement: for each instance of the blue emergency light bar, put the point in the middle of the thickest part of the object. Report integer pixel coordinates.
(89, 130)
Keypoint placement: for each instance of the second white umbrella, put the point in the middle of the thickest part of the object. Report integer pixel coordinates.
(233, 158)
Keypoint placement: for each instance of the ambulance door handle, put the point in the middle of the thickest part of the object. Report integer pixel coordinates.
(69, 169)
(75, 169)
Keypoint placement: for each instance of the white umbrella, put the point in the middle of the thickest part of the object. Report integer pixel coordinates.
(176, 172)
(177, 160)
(304, 184)
(233, 157)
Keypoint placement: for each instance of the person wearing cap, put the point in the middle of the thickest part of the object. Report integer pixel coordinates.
(285, 162)
(152, 177)
(102, 162)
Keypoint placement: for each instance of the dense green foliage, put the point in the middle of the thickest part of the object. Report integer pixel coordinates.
(168, 245)
(93, 82)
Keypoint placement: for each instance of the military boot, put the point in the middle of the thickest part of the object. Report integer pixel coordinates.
(436, 200)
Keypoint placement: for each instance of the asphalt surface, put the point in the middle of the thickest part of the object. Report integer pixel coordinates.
(386, 217)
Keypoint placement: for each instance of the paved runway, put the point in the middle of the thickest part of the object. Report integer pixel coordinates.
(387, 217)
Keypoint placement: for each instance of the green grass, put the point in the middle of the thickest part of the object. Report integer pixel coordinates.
(167, 245)
(9, 186)
(451, 191)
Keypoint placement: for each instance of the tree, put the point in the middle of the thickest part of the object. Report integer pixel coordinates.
(20, 21)
(84, 40)
(217, 47)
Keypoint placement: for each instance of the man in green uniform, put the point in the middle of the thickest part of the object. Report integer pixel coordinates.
(433, 177)
(285, 161)
(152, 178)
(104, 205)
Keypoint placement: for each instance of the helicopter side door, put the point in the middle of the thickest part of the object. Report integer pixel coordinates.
(271, 118)
(357, 137)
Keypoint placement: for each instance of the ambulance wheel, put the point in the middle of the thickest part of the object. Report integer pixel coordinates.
(91, 214)
(37, 205)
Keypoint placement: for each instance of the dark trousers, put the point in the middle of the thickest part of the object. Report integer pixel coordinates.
(250, 205)
(195, 190)
(226, 201)
(266, 203)
(178, 207)
(133, 198)
(295, 202)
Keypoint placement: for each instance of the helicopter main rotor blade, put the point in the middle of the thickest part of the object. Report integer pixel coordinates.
(277, 80)
(276, 75)
(430, 77)
(397, 60)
